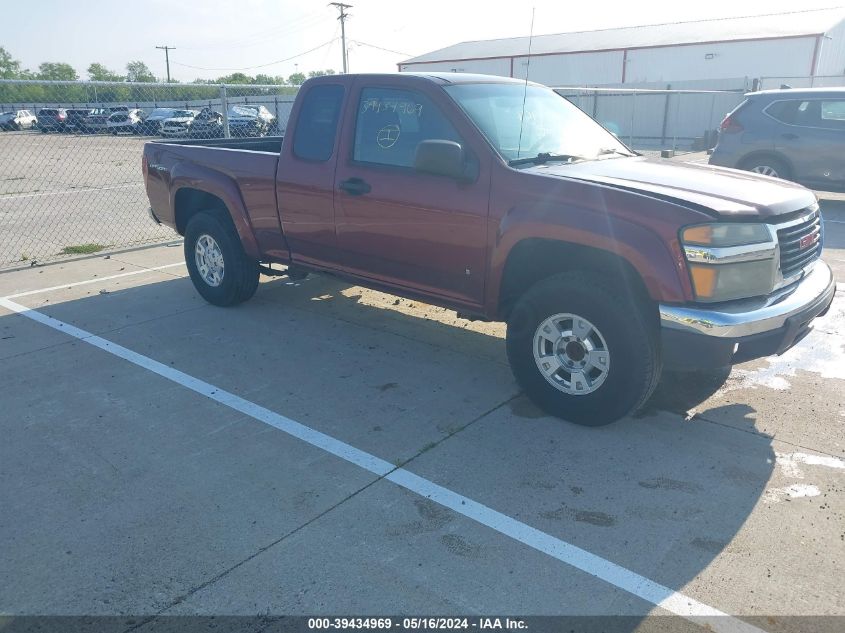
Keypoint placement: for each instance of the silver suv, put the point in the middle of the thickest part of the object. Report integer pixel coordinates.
(795, 134)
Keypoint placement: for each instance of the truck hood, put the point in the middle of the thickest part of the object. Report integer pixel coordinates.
(727, 193)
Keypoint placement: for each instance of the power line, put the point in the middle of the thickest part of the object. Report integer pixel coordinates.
(278, 61)
(303, 23)
(167, 50)
(387, 50)
(342, 17)
(329, 49)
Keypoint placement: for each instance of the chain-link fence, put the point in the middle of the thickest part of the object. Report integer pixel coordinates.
(70, 156)
(651, 120)
(818, 81)
(70, 152)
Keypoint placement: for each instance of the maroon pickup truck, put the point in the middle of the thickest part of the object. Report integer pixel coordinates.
(503, 201)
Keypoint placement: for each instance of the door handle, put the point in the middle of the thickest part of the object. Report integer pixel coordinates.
(355, 186)
(789, 136)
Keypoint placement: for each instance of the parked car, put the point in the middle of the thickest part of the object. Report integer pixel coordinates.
(155, 119)
(793, 134)
(250, 120)
(179, 124)
(18, 120)
(76, 119)
(52, 119)
(131, 122)
(606, 265)
(207, 124)
(98, 119)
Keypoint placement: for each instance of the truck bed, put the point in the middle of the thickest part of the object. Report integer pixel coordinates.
(269, 144)
(240, 173)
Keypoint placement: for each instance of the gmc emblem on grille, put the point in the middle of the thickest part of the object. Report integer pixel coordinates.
(807, 241)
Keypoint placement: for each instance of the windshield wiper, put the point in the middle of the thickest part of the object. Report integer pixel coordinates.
(545, 157)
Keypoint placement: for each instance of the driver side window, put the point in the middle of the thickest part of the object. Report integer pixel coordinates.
(391, 123)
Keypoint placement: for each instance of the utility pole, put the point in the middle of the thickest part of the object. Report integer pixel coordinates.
(167, 50)
(342, 17)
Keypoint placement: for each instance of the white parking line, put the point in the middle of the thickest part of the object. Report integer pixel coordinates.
(69, 191)
(616, 575)
(91, 281)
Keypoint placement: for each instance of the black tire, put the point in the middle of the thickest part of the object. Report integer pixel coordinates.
(767, 162)
(240, 273)
(631, 342)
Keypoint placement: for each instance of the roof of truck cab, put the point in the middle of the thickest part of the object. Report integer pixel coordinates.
(440, 78)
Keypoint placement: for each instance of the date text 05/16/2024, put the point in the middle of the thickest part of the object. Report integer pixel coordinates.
(419, 623)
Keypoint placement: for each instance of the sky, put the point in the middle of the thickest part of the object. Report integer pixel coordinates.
(214, 38)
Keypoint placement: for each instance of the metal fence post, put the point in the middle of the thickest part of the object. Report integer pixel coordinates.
(665, 116)
(709, 135)
(225, 107)
(675, 126)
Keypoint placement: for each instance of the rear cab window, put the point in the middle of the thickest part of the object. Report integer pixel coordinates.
(316, 127)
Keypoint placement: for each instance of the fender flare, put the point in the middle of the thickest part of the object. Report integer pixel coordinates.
(661, 266)
(186, 175)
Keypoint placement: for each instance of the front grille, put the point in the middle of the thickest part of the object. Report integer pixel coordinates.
(799, 244)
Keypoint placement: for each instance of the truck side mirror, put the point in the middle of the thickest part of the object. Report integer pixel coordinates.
(442, 158)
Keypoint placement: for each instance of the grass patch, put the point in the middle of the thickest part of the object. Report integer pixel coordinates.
(82, 249)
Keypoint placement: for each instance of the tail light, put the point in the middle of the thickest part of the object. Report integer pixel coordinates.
(144, 166)
(730, 125)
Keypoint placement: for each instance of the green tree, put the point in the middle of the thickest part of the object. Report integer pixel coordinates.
(268, 80)
(139, 71)
(296, 79)
(235, 78)
(320, 73)
(57, 71)
(10, 68)
(98, 72)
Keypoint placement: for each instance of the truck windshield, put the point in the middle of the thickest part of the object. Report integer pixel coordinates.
(547, 126)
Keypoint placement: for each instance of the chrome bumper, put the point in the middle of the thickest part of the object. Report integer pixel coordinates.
(747, 317)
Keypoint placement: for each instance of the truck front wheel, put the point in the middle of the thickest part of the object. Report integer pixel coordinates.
(582, 350)
(221, 271)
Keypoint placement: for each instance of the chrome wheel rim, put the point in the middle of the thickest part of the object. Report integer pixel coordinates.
(765, 170)
(209, 259)
(571, 354)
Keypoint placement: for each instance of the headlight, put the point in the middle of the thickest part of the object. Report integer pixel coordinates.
(730, 260)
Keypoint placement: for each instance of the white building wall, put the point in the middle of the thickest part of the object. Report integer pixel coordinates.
(572, 69)
(500, 67)
(778, 58)
(832, 52)
(729, 59)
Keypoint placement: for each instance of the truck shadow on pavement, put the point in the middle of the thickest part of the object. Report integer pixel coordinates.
(407, 383)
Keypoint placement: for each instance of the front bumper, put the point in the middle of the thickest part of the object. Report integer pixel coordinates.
(737, 331)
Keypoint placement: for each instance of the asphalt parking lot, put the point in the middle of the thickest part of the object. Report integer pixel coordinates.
(60, 191)
(327, 449)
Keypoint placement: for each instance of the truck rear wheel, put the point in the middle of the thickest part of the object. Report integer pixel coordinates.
(221, 271)
(582, 350)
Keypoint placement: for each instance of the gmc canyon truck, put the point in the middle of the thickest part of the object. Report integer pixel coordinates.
(501, 200)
